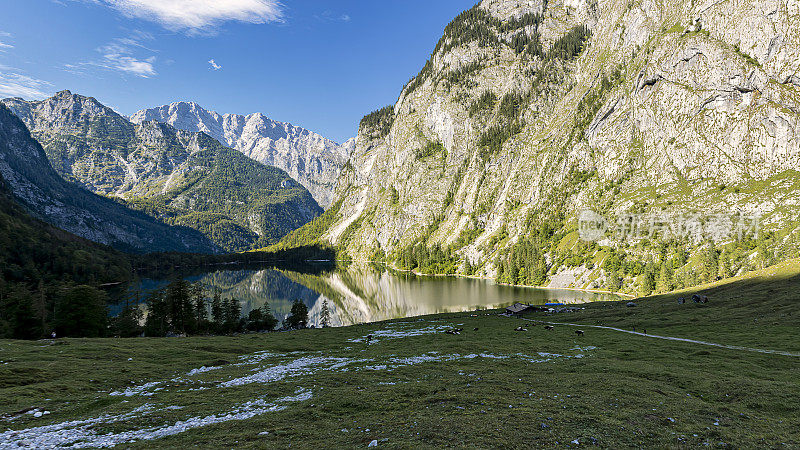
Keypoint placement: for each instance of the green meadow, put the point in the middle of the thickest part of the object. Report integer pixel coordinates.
(411, 385)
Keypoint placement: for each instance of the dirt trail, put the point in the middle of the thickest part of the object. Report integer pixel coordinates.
(669, 338)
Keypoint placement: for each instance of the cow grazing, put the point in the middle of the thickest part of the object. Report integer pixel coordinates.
(548, 327)
(579, 332)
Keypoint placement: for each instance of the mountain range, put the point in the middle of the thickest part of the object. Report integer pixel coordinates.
(179, 177)
(27, 174)
(527, 114)
(312, 160)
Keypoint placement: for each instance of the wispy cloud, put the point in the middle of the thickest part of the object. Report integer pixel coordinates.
(198, 15)
(117, 55)
(214, 65)
(329, 16)
(3, 45)
(123, 55)
(15, 84)
(137, 39)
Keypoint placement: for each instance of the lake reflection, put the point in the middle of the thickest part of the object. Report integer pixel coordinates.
(363, 293)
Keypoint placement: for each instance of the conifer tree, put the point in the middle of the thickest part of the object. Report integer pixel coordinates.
(127, 323)
(217, 309)
(325, 320)
(613, 281)
(665, 282)
(233, 314)
(200, 308)
(81, 312)
(270, 322)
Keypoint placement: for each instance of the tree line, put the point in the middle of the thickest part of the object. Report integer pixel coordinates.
(180, 308)
(184, 308)
(379, 122)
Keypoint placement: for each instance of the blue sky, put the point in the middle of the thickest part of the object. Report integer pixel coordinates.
(320, 64)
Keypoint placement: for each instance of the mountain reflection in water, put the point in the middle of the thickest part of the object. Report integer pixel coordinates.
(362, 293)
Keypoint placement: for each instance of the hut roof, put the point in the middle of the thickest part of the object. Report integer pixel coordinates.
(517, 308)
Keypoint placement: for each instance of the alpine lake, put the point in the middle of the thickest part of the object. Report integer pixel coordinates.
(358, 292)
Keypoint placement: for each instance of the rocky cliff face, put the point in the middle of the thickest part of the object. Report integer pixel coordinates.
(29, 176)
(529, 109)
(180, 177)
(309, 158)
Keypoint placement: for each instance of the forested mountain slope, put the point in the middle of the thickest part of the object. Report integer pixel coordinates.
(31, 179)
(39, 264)
(32, 251)
(182, 178)
(312, 160)
(529, 112)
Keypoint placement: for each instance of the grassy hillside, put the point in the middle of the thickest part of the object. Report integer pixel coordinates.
(758, 309)
(415, 386)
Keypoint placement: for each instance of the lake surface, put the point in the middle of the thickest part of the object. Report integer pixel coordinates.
(362, 293)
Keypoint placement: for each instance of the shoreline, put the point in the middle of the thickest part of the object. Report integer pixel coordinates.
(473, 277)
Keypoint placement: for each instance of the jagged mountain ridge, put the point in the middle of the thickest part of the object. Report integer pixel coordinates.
(312, 160)
(531, 108)
(29, 176)
(180, 177)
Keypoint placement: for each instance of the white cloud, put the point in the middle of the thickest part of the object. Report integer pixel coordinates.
(138, 67)
(117, 55)
(198, 15)
(214, 65)
(122, 55)
(13, 84)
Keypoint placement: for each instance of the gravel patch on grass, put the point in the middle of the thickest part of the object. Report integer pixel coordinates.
(393, 333)
(299, 367)
(80, 433)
